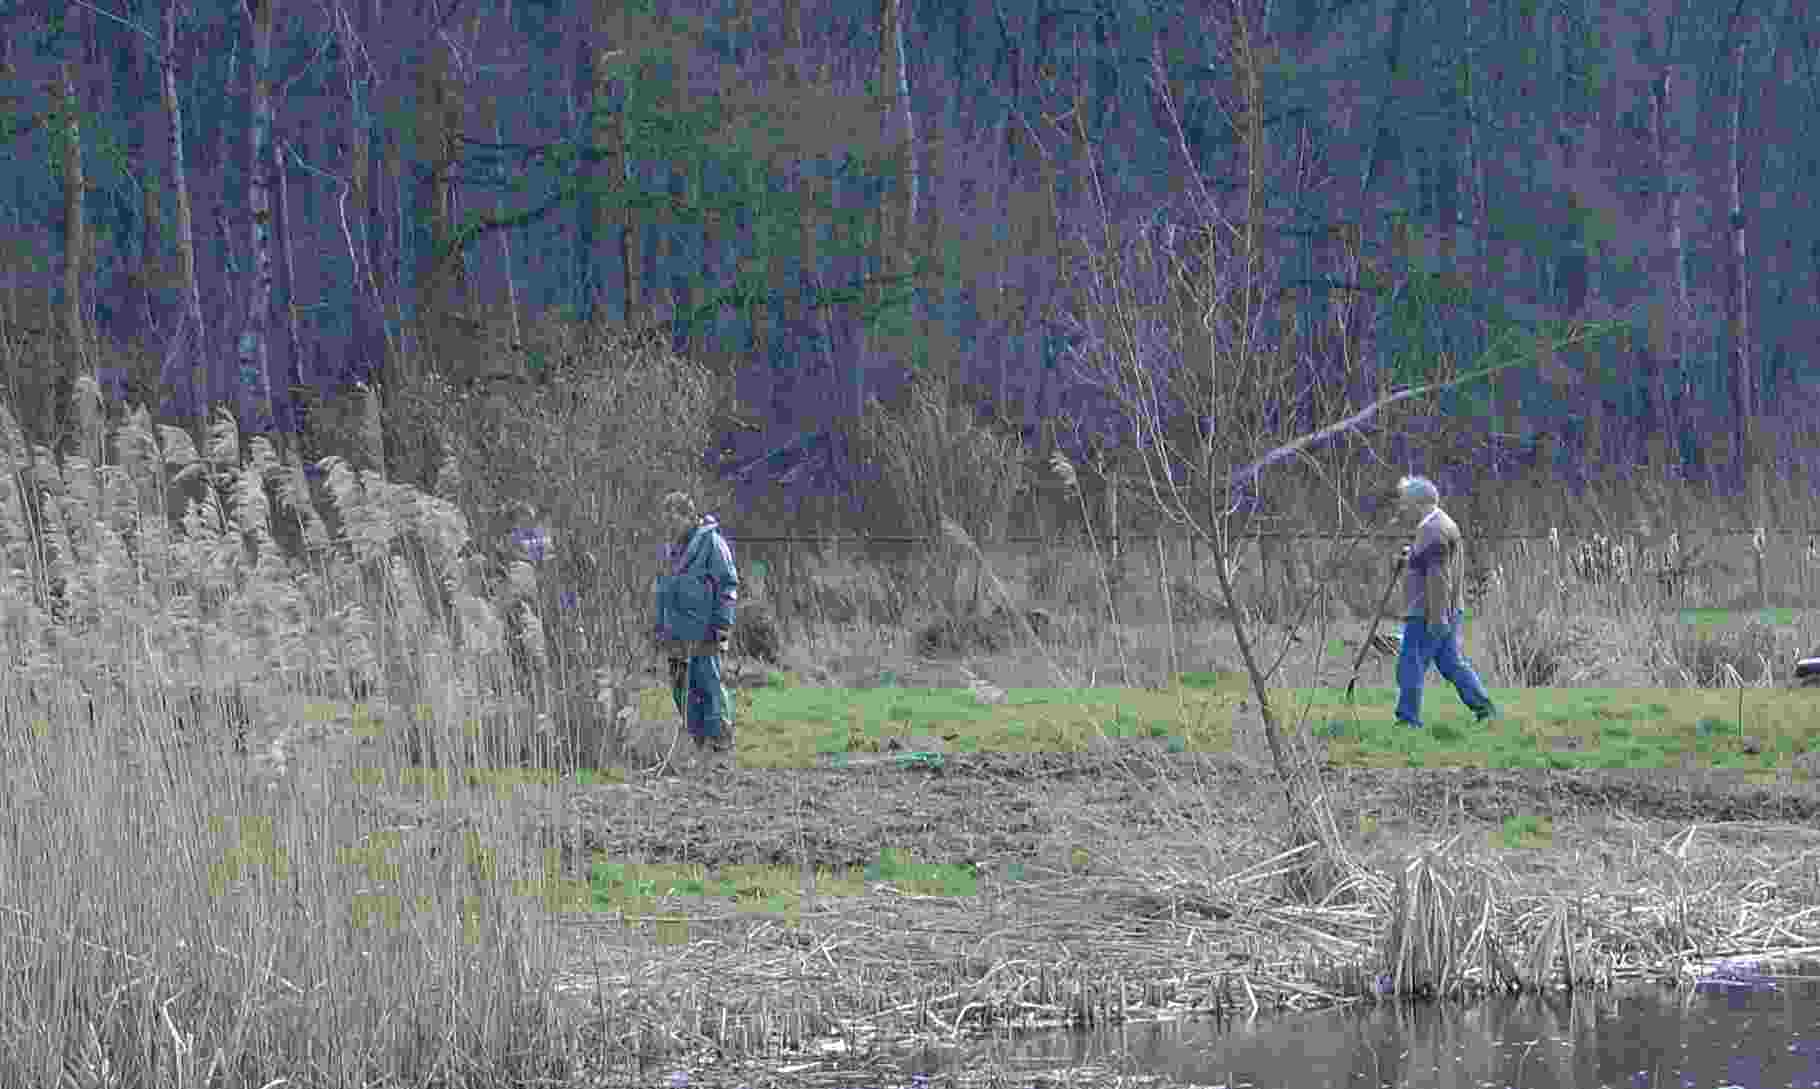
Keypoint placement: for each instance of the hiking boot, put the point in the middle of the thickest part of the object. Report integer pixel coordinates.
(1487, 715)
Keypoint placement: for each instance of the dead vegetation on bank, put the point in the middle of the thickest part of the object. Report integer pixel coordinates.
(1184, 918)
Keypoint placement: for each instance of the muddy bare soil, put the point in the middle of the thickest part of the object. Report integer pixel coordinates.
(992, 809)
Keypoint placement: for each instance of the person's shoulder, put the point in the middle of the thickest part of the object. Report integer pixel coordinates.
(717, 533)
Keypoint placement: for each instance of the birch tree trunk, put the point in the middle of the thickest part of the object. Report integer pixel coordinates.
(254, 381)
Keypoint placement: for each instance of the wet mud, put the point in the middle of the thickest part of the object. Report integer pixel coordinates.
(990, 809)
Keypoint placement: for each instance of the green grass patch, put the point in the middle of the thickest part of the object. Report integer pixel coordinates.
(653, 891)
(1707, 618)
(1523, 832)
(790, 726)
(1562, 728)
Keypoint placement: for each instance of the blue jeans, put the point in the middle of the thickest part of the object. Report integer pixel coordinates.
(1422, 645)
(700, 699)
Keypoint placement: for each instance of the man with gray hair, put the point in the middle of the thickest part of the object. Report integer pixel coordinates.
(1434, 593)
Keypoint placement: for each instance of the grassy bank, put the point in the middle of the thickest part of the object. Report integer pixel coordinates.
(1760, 730)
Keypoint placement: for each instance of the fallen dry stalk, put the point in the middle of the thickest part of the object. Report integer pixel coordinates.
(1085, 951)
(1162, 940)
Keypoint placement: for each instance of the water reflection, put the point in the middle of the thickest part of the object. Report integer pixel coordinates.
(1749, 1028)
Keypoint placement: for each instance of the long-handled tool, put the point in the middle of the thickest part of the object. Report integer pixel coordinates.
(1395, 570)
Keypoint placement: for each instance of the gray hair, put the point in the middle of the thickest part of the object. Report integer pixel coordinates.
(1419, 488)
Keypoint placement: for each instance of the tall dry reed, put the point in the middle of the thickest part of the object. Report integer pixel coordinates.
(206, 872)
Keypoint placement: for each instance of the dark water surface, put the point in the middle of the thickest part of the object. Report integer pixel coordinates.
(1749, 1028)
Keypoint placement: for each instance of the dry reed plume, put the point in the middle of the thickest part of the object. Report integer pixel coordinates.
(205, 876)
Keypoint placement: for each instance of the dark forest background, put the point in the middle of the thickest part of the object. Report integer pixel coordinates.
(269, 203)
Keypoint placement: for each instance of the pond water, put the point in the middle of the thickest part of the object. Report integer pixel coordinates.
(1752, 1028)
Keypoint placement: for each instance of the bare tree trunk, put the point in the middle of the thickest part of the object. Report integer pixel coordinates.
(1310, 816)
(294, 369)
(149, 274)
(610, 135)
(505, 246)
(587, 100)
(255, 378)
(1001, 310)
(908, 115)
(439, 126)
(192, 384)
(671, 94)
(672, 250)
(896, 215)
(911, 244)
(74, 238)
(1114, 537)
(1744, 386)
(1678, 314)
(383, 260)
(1474, 175)
(363, 184)
(796, 83)
(466, 263)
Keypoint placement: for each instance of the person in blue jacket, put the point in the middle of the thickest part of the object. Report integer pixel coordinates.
(696, 597)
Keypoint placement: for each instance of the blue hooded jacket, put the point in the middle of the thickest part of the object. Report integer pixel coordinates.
(700, 587)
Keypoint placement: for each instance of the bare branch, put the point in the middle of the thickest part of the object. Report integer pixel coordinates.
(130, 25)
(284, 89)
